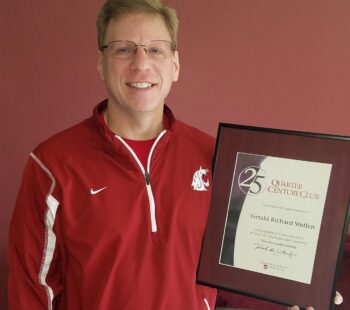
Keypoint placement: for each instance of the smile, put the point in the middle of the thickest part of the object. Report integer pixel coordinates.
(142, 85)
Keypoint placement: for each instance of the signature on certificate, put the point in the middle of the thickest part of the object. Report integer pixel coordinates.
(274, 250)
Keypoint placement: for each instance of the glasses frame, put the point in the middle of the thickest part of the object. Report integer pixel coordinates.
(144, 45)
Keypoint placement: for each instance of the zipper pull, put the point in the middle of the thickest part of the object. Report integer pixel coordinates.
(147, 178)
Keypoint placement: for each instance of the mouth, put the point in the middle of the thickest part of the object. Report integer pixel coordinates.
(141, 85)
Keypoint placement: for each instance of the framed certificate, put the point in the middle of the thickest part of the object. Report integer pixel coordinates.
(279, 215)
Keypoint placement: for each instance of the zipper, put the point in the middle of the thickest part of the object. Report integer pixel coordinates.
(147, 175)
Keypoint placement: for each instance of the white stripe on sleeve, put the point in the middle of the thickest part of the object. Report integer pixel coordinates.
(50, 237)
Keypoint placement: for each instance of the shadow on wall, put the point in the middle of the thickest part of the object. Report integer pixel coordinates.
(4, 276)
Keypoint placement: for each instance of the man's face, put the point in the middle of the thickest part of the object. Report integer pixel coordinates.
(126, 78)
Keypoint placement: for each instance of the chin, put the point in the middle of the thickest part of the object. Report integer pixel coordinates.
(147, 108)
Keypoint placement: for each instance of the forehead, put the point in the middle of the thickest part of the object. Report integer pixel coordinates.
(137, 27)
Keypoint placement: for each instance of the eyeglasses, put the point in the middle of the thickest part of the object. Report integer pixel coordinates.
(123, 49)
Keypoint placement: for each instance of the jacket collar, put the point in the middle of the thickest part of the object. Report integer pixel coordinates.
(168, 119)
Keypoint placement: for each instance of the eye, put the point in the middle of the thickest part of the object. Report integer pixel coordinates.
(122, 51)
(155, 51)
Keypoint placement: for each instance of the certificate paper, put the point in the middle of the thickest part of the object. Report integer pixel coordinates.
(274, 215)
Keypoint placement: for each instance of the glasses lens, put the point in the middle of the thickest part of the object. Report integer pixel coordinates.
(121, 49)
(159, 49)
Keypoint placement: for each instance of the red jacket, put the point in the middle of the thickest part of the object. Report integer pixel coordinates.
(91, 230)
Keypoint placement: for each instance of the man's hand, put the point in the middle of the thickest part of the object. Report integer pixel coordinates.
(338, 299)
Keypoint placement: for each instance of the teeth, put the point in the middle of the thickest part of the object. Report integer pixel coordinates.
(141, 85)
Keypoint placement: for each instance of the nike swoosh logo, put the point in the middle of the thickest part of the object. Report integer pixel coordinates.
(94, 192)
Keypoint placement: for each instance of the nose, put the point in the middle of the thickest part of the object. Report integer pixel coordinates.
(140, 59)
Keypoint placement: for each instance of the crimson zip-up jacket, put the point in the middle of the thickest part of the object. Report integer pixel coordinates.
(93, 229)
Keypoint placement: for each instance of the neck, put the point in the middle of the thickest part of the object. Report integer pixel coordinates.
(134, 126)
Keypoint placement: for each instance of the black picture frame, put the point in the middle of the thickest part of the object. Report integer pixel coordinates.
(301, 146)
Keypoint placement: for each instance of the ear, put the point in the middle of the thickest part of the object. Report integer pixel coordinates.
(100, 62)
(176, 64)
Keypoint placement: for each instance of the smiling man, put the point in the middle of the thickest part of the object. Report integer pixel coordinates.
(111, 212)
(107, 217)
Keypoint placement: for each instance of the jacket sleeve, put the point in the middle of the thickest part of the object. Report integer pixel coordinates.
(34, 259)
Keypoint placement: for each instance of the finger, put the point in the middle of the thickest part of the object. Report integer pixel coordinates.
(294, 308)
(310, 308)
(338, 299)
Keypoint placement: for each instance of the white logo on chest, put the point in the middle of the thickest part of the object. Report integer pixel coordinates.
(94, 192)
(198, 183)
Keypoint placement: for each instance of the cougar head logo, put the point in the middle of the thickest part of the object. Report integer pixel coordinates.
(198, 183)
